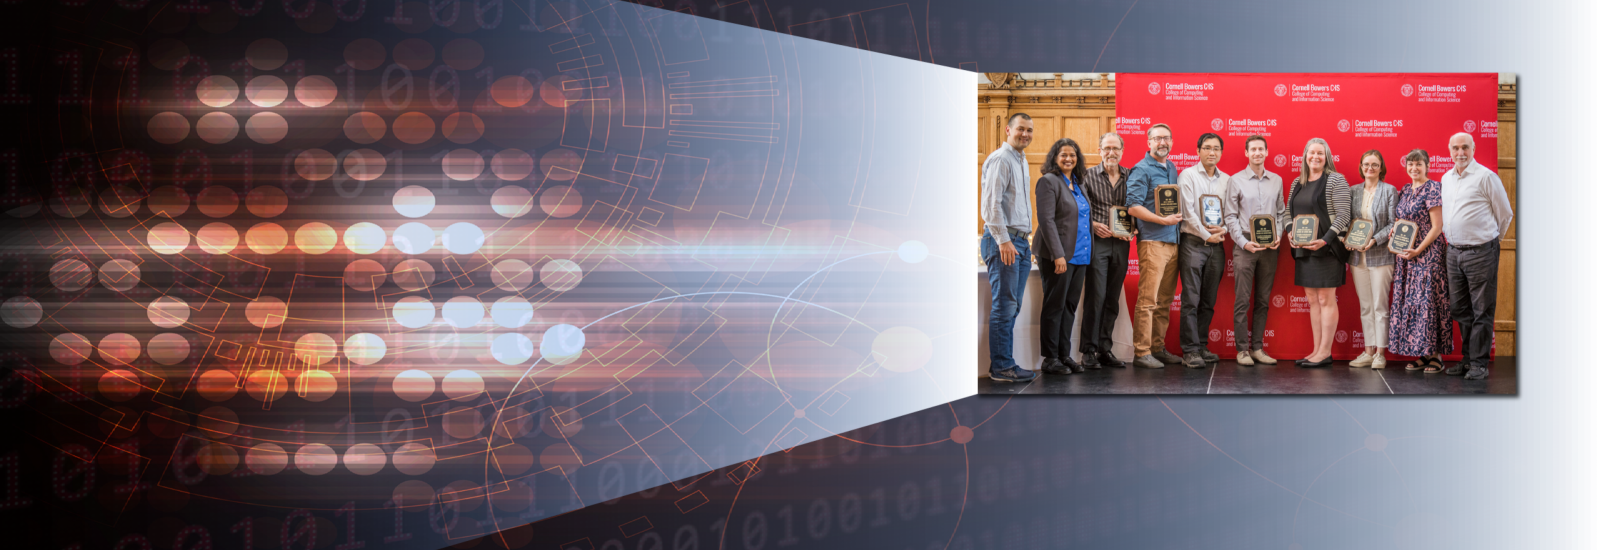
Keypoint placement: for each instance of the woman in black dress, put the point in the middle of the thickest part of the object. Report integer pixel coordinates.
(1319, 266)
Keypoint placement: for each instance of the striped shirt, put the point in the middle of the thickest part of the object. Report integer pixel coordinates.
(1104, 193)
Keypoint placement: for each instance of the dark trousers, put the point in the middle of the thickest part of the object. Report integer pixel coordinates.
(1056, 314)
(1200, 271)
(1108, 266)
(1252, 278)
(1473, 273)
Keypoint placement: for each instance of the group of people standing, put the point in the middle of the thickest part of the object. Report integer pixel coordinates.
(1449, 273)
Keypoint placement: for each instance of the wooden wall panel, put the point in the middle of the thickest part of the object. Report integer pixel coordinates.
(1505, 313)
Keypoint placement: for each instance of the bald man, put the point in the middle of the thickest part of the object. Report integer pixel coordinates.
(1477, 214)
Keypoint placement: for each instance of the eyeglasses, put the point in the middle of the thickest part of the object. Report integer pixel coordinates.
(1210, 149)
(1162, 138)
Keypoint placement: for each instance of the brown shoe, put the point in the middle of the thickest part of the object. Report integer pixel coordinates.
(1262, 357)
(1245, 360)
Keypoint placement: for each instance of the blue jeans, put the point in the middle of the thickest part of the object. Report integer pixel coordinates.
(1006, 285)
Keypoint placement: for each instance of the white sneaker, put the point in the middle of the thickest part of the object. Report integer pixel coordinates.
(1262, 357)
(1361, 361)
(1379, 362)
(1245, 360)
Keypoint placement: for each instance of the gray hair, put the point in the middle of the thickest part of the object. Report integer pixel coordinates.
(1327, 153)
(1115, 135)
(1470, 143)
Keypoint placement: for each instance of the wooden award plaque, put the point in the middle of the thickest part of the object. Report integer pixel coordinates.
(1211, 210)
(1404, 236)
(1264, 229)
(1305, 230)
(1166, 200)
(1360, 233)
(1121, 222)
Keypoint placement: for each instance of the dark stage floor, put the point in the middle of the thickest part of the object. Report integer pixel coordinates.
(1284, 378)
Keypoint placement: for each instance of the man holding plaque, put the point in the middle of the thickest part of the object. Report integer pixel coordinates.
(1158, 250)
(1200, 259)
(1106, 187)
(1477, 215)
(1254, 196)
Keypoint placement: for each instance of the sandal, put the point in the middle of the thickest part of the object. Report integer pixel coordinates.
(1434, 366)
(1419, 364)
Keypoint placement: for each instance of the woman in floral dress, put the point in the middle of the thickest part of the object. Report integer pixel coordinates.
(1420, 312)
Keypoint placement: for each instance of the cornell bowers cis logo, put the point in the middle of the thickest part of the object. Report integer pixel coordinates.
(1405, 90)
(1280, 90)
(1280, 160)
(1277, 299)
(1341, 336)
(1470, 126)
(1344, 125)
(1216, 335)
(1155, 88)
(1216, 125)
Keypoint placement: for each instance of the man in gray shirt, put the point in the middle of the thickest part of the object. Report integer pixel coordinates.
(1251, 192)
(1007, 221)
(1477, 214)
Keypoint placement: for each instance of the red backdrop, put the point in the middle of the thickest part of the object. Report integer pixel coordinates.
(1393, 113)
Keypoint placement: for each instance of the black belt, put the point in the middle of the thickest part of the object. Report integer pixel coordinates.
(1017, 232)
(1199, 240)
(1471, 246)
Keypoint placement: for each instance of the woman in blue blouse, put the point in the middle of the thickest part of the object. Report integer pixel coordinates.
(1061, 244)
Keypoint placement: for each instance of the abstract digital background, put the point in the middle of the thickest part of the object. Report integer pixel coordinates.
(740, 290)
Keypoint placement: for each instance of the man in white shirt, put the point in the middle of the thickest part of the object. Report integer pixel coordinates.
(1200, 257)
(1477, 214)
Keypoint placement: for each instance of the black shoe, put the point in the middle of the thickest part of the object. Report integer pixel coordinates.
(1090, 362)
(1300, 362)
(1325, 362)
(1209, 357)
(1073, 365)
(1194, 360)
(1456, 369)
(1110, 360)
(1477, 373)
(1165, 356)
(1013, 374)
(1055, 366)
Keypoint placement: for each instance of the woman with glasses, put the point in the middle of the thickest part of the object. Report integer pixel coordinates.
(1372, 265)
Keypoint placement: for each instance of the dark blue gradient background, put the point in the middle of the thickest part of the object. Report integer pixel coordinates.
(1242, 472)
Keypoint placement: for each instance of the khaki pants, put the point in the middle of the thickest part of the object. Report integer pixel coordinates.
(1158, 277)
(1372, 287)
